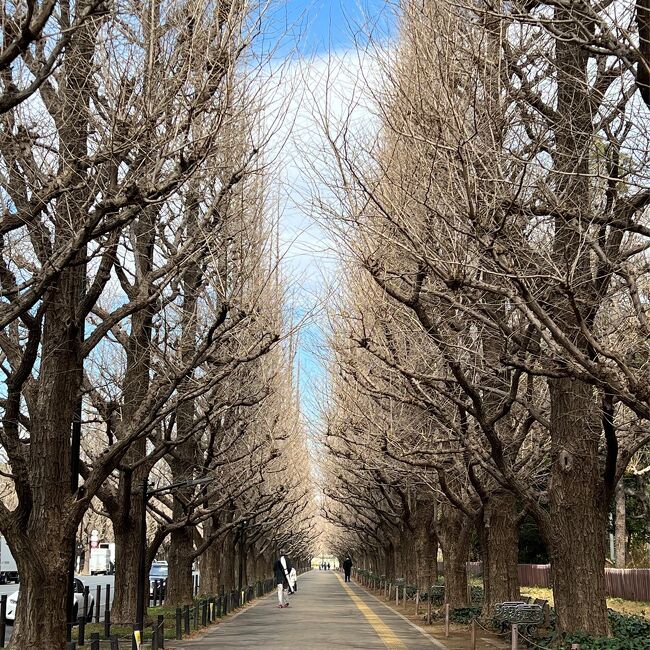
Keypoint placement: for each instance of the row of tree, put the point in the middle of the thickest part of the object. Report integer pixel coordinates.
(492, 344)
(144, 339)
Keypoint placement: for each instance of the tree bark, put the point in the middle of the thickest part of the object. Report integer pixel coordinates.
(426, 544)
(454, 532)
(41, 614)
(127, 553)
(499, 549)
(180, 558)
(577, 517)
(227, 577)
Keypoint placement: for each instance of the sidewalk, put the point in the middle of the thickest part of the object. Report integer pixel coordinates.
(324, 614)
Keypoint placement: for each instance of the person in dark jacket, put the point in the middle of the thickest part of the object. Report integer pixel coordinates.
(282, 568)
(347, 568)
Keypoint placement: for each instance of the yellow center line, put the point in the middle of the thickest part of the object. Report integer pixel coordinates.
(385, 633)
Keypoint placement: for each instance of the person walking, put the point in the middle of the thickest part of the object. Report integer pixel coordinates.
(293, 579)
(328, 566)
(347, 568)
(282, 568)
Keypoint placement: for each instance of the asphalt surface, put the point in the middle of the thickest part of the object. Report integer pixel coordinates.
(322, 615)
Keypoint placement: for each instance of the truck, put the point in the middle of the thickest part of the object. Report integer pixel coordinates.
(8, 568)
(102, 559)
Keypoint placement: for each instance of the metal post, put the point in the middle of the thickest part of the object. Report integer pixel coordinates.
(139, 603)
(179, 616)
(115, 642)
(196, 615)
(3, 620)
(187, 619)
(204, 613)
(94, 641)
(473, 635)
(515, 637)
(98, 603)
(82, 630)
(161, 631)
(396, 595)
(417, 602)
(429, 606)
(107, 614)
(446, 620)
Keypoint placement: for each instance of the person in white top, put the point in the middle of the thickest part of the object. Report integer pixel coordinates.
(293, 579)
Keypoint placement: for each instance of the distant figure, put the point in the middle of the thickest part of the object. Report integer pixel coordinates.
(328, 566)
(347, 568)
(293, 579)
(282, 569)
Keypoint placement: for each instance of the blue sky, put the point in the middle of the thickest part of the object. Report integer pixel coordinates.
(320, 33)
(323, 25)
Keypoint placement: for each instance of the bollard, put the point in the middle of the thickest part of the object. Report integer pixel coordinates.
(161, 631)
(515, 637)
(98, 603)
(107, 614)
(3, 620)
(429, 606)
(204, 613)
(446, 620)
(196, 615)
(404, 594)
(417, 602)
(81, 639)
(154, 636)
(396, 595)
(94, 641)
(115, 642)
(187, 619)
(473, 635)
(179, 616)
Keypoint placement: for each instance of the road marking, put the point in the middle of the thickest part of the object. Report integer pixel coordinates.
(385, 633)
(435, 642)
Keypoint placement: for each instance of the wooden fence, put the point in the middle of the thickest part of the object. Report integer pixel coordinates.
(630, 584)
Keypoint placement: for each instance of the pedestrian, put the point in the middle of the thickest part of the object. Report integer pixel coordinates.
(282, 568)
(328, 566)
(293, 579)
(347, 568)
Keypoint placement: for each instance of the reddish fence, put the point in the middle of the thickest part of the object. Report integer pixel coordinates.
(630, 584)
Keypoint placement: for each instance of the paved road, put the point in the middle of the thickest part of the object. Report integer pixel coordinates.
(324, 614)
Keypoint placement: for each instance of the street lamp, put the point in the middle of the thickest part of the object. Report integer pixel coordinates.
(140, 595)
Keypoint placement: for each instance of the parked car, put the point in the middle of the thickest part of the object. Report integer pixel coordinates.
(159, 571)
(78, 607)
(8, 568)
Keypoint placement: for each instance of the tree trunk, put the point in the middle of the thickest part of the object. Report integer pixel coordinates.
(499, 549)
(426, 544)
(577, 518)
(180, 581)
(41, 614)
(127, 554)
(210, 563)
(454, 531)
(228, 578)
(621, 529)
